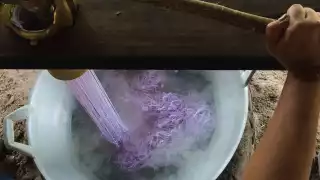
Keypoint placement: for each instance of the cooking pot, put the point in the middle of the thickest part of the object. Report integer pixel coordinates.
(48, 120)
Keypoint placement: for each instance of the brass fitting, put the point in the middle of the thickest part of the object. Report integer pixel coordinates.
(66, 74)
(63, 16)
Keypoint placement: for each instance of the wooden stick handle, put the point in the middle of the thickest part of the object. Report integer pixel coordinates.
(214, 11)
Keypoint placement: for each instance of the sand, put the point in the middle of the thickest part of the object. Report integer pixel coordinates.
(15, 86)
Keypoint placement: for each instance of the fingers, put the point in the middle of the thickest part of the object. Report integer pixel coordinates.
(311, 15)
(296, 13)
(275, 31)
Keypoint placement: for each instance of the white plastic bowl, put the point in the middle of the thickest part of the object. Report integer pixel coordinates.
(49, 125)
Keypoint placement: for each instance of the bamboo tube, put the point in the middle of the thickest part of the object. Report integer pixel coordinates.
(217, 12)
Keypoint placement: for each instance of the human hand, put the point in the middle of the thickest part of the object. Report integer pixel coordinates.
(294, 39)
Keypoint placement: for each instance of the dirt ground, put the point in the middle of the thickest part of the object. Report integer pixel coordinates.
(15, 86)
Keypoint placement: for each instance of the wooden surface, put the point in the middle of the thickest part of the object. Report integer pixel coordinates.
(125, 27)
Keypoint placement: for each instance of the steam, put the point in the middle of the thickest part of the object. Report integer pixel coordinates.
(168, 116)
(90, 94)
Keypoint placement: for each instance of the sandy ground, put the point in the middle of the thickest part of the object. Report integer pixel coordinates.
(265, 89)
(15, 86)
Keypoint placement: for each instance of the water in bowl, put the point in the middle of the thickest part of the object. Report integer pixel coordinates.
(97, 156)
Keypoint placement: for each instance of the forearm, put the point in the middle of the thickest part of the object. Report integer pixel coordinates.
(288, 145)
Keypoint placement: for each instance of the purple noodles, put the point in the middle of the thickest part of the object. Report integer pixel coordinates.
(167, 114)
(90, 94)
(169, 118)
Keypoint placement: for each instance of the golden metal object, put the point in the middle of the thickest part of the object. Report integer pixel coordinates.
(63, 17)
(63, 12)
(66, 74)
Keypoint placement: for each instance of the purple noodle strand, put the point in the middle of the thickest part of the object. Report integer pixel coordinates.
(169, 113)
(90, 94)
(165, 114)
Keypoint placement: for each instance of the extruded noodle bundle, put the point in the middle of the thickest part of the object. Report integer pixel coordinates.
(90, 94)
(172, 122)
